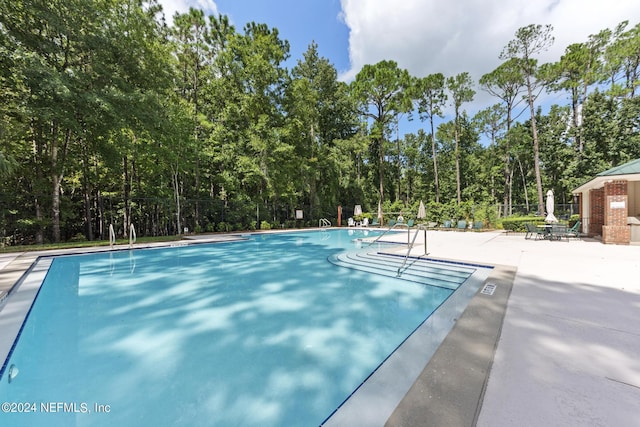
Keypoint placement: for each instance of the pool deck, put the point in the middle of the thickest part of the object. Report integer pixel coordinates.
(557, 343)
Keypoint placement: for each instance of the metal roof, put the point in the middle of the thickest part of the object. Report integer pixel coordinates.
(629, 171)
(628, 168)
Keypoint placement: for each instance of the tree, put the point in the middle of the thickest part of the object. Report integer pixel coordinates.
(490, 122)
(381, 91)
(431, 96)
(319, 112)
(506, 83)
(623, 60)
(461, 92)
(529, 41)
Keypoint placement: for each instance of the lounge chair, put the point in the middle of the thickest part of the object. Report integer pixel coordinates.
(391, 223)
(462, 225)
(375, 223)
(351, 222)
(410, 223)
(365, 222)
(447, 224)
(478, 225)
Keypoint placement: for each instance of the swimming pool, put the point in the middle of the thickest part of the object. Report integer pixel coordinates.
(260, 332)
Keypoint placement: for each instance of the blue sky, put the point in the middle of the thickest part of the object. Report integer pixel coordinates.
(423, 36)
(300, 22)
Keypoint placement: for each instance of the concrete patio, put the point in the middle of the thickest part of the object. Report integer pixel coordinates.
(568, 350)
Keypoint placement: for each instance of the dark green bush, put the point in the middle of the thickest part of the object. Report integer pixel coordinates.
(517, 223)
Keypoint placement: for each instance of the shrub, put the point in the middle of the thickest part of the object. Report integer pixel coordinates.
(223, 226)
(573, 219)
(79, 237)
(516, 223)
(265, 225)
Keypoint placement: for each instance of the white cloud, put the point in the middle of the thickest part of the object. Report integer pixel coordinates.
(170, 7)
(428, 36)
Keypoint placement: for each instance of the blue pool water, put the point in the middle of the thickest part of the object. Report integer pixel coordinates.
(261, 332)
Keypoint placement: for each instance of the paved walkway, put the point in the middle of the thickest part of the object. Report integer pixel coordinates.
(569, 350)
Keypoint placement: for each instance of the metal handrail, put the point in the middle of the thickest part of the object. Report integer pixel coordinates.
(410, 246)
(132, 235)
(324, 222)
(397, 224)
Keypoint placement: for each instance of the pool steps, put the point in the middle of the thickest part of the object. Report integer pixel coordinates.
(415, 270)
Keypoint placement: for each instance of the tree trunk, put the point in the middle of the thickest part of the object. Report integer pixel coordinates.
(125, 195)
(399, 162)
(536, 148)
(176, 196)
(56, 180)
(457, 154)
(507, 166)
(381, 171)
(435, 161)
(86, 195)
(37, 149)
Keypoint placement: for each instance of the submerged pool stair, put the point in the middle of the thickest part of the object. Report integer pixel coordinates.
(419, 270)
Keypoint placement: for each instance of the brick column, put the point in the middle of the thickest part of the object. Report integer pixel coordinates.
(596, 214)
(616, 208)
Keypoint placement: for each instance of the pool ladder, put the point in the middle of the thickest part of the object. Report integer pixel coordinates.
(324, 223)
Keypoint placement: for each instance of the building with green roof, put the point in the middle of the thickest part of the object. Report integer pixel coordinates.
(610, 204)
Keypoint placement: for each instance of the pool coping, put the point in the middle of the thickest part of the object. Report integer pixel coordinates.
(377, 398)
(450, 388)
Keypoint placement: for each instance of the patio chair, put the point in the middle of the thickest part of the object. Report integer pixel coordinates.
(462, 225)
(558, 231)
(410, 223)
(574, 231)
(365, 222)
(478, 225)
(351, 222)
(391, 223)
(447, 224)
(375, 223)
(532, 230)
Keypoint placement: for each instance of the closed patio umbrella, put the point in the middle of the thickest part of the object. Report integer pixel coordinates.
(357, 210)
(550, 216)
(422, 212)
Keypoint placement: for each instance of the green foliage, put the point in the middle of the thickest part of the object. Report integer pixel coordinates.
(517, 223)
(108, 116)
(265, 225)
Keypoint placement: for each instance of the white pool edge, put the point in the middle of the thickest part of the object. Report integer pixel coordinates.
(16, 309)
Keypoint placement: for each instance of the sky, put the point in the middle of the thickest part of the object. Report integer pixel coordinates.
(422, 36)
